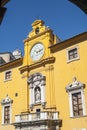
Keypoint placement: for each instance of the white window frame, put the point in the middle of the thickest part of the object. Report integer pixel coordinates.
(73, 88)
(7, 79)
(69, 49)
(4, 115)
(5, 103)
(71, 105)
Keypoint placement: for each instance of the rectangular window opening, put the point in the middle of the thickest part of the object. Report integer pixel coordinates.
(72, 54)
(38, 113)
(77, 104)
(6, 114)
(8, 75)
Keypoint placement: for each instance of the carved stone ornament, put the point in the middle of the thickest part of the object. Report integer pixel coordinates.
(37, 89)
(35, 78)
(75, 85)
(7, 100)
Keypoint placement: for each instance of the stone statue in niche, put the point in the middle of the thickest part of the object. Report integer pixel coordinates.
(37, 89)
(37, 94)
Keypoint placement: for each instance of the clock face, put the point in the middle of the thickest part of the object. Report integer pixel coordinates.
(37, 51)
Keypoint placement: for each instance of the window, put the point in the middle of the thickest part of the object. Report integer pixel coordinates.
(76, 98)
(72, 54)
(38, 113)
(77, 104)
(6, 110)
(6, 114)
(8, 75)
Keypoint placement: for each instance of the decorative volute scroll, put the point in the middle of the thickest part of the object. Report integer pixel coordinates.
(75, 85)
(37, 89)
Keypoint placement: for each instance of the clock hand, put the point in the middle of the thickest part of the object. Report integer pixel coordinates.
(40, 50)
(36, 51)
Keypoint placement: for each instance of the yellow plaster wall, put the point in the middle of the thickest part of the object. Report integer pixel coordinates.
(63, 75)
(18, 85)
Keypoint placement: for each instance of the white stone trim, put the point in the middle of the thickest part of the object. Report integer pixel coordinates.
(3, 107)
(6, 102)
(83, 103)
(70, 102)
(42, 93)
(31, 96)
(73, 88)
(70, 105)
(37, 80)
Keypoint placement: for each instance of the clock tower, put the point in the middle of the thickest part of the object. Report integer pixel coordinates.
(38, 62)
(37, 43)
(38, 70)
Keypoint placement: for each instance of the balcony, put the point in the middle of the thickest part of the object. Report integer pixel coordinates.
(39, 118)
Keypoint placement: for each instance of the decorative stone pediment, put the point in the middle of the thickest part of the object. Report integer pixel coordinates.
(36, 77)
(7, 100)
(75, 85)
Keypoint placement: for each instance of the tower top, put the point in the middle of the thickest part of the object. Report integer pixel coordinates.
(36, 22)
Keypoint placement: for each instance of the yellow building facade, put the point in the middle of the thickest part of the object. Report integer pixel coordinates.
(46, 89)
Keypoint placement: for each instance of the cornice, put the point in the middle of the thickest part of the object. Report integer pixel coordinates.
(73, 40)
(37, 64)
(38, 35)
(12, 63)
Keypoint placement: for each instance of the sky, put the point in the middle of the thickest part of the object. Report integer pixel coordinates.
(63, 17)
